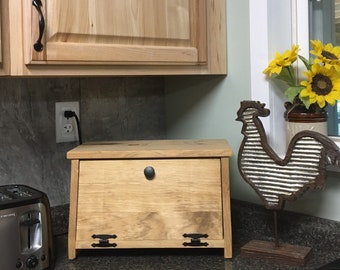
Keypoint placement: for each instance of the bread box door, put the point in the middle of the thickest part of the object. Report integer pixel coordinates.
(161, 208)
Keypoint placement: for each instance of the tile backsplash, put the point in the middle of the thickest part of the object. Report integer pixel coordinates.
(128, 108)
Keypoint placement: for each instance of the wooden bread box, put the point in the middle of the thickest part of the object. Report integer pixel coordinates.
(150, 194)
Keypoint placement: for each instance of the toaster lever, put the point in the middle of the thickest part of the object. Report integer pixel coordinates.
(30, 222)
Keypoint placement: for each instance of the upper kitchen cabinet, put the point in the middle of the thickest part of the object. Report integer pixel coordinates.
(121, 37)
(4, 43)
(0, 37)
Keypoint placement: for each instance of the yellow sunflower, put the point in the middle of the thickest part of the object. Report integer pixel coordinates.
(326, 54)
(322, 86)
(281, 61)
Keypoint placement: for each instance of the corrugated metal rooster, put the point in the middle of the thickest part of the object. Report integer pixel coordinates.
(277, 180)
(274, 179)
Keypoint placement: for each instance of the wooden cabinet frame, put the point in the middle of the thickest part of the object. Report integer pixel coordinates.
(22, 36)
(4, 39)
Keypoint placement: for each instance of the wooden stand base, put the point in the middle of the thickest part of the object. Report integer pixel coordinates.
(285, 253)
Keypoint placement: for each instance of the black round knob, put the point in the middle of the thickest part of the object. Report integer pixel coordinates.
(32, 262)
(38, 47)
(19, 264)
(149, 173)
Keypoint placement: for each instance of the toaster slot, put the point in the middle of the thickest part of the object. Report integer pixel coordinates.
(30, 231)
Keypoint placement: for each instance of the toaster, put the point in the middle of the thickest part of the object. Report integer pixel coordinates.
(25, 229)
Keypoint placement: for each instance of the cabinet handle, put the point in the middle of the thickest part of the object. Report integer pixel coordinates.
(149, 172)
(38, 46)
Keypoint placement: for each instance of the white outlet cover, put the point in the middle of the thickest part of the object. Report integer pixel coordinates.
(62, 134)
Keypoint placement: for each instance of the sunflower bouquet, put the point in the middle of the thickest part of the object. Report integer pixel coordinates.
(321, 85)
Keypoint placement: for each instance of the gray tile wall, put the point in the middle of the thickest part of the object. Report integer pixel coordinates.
(110, 109)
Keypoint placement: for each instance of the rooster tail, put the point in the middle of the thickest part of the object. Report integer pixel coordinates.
(332, 158)
(330, 152)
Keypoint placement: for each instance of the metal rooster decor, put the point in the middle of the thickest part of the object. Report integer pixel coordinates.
(277, 180)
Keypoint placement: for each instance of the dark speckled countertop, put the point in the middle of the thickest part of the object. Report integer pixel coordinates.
(249, 222)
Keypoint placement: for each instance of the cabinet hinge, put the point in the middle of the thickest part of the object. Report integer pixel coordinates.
(104, 240)
(195, 239)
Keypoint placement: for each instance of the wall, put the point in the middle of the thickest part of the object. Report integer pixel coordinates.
(205, 107)
(110, 109)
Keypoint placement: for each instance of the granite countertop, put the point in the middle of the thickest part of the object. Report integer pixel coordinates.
(249, 222)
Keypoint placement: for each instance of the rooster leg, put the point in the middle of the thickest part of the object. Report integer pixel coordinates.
(276, 230)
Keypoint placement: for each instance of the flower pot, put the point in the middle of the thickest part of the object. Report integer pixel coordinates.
(299, 118)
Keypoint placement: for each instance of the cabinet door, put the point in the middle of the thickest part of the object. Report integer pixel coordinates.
(0, 36)
(4, 38)
(115, 197)
(129, 32)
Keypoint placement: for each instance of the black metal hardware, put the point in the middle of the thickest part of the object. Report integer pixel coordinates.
(195, 240)
(104, 236)
(32, 261)
(104, 243)
(30, 222)
(38, 46)
(104, 240)
(149, 172)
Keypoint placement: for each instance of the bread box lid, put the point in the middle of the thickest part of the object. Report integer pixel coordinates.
(151, 149)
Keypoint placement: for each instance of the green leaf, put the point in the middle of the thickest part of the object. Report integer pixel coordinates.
(292, 92)
(287, 75)
(306, 62)
(305, 101)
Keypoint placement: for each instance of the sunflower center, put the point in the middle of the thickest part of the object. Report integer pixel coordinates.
(329, 55)
(321, 85)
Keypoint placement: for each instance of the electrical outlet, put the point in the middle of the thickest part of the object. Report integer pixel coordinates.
(66, 130)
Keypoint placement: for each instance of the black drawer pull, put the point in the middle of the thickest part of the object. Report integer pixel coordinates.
(149, 173)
